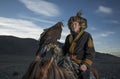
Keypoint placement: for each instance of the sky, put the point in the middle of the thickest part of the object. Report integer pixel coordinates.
(28, 18)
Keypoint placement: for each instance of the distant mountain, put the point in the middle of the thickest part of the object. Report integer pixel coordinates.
(18, 46)
(27, 46)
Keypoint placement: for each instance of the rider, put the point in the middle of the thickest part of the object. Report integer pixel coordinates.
(79, 45)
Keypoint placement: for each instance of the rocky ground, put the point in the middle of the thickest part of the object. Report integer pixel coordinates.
(13, 67)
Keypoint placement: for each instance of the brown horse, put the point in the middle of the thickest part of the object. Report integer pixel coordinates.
(47, 67)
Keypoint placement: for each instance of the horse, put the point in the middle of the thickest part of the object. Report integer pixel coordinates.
(49, 65)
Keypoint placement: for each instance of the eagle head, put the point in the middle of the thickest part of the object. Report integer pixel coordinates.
(59, 24)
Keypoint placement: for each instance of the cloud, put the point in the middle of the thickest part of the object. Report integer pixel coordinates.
(20, 28)
(106, 34)
(41, 7)
(37, 19)
(113, 21)
(99, 36)
(23, 28)
(104, 9)
(65, 32)
(92, 28)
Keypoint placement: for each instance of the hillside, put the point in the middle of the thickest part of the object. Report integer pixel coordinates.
(17, 46)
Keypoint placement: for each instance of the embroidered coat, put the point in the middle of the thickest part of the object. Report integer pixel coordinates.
(81, 46)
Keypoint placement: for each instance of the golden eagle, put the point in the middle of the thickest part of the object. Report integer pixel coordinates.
(50, 35)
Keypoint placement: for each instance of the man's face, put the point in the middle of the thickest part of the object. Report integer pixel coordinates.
(75, 27)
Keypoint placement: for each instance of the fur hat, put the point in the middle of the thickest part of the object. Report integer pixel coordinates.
(82, 21)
